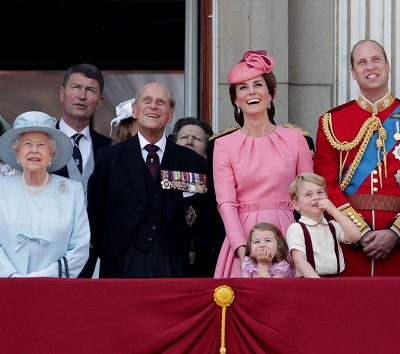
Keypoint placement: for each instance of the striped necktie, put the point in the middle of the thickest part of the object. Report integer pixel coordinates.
(152, 160)
(77, 156)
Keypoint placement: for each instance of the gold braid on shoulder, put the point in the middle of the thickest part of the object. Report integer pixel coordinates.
(364, 136)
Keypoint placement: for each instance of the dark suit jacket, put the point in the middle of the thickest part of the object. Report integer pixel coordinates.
(98, 141)
(117, 199)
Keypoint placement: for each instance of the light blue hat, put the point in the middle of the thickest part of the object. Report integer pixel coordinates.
(36, 122)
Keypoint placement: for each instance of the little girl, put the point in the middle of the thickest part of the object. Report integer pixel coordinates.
(267, 253)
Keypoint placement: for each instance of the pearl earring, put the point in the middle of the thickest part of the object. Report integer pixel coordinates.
(238, 109)
(269, 105)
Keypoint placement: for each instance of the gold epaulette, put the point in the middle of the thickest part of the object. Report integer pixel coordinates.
(294, 126)
(348, 210)
(396, 225)
(224, 132)
(336, 108)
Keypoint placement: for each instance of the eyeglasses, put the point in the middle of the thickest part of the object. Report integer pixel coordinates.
(158, 102)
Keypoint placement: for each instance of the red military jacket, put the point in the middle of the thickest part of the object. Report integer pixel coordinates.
(373, 202)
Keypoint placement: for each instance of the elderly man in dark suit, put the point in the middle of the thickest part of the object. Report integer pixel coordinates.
(140, 222)
(81, 94)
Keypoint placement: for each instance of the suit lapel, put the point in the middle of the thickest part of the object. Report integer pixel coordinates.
(132, 160)
(98, 141)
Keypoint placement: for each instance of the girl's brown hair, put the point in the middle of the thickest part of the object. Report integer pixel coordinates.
(282, 253)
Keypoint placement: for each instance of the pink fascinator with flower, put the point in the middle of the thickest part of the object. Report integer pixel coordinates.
(254, 63)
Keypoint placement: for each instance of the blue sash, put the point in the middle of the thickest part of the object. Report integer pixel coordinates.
(367, 164)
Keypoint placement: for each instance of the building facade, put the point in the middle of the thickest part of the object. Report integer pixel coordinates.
(311, 41)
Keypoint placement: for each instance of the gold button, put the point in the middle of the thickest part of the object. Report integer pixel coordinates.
(374, 172)
(375, 180)
(375, 189)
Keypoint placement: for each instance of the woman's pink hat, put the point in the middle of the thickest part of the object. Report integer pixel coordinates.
(254, 63)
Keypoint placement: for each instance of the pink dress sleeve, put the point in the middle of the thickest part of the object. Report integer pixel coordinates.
(225, 189)
(305, 162)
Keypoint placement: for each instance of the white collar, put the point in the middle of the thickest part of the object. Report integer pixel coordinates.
(312, 222)
(65, 128)
(161, 143)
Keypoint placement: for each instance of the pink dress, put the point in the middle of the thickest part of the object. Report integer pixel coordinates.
(252, 178)
(280, 269)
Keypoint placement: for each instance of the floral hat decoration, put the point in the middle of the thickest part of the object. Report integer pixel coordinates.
(253, 63)
(123, 111)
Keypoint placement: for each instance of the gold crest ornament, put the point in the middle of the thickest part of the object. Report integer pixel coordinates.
(223, 296)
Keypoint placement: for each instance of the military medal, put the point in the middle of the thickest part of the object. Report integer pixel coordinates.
(397, 128)
(192, 254)
(184, 181)
(190, 216)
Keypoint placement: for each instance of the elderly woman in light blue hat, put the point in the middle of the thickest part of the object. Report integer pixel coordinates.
(42, 215)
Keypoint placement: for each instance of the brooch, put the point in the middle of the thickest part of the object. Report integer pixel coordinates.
(397, 175)
(62, 187)
(396, 152)
(190, 216)
(184, 181)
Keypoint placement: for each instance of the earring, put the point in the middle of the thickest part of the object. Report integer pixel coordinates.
(269, 105)
(238, 109)
(49, 163)
(18, 162)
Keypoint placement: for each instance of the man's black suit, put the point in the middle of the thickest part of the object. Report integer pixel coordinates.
(118, 204)
(98, 141)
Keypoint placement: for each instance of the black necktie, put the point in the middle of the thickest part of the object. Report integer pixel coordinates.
(152, 160)
(77, 152)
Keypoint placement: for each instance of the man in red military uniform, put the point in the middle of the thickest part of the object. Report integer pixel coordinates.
(358, 153)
